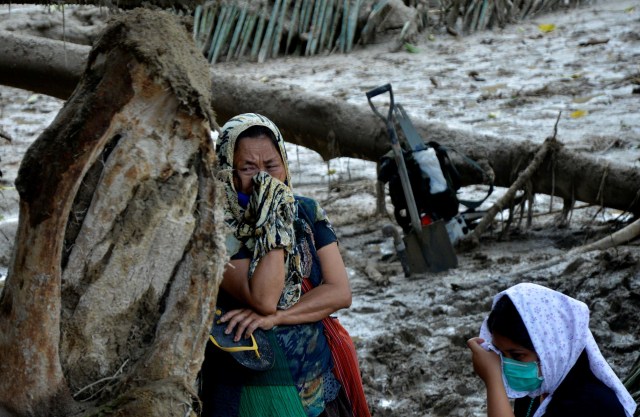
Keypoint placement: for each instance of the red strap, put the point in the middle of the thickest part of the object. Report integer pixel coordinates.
(346, 367)
(345, 359)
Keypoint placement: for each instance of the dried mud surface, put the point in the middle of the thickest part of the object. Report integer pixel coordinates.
(411, 333)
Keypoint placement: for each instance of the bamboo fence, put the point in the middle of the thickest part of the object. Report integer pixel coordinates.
(259, 30)
(232, 30)
(486, 14)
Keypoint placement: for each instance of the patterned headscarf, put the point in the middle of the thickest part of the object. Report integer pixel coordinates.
(268, 220)
(558, 326)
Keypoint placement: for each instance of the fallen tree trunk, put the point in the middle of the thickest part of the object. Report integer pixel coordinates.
(118, 254)
(334, 128)
(42, 65)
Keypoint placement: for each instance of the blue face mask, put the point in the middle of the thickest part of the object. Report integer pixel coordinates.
(521, 376)
(243, 199)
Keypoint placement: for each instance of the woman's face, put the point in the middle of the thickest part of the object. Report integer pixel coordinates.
(252, 155)
(513, 350)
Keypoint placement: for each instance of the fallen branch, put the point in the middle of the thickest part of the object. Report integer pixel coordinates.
(622, 236)
(473, 239)
(4, 135)
(375, 276)
(593, 41)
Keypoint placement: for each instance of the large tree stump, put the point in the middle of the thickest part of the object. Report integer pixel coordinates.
(119, 254)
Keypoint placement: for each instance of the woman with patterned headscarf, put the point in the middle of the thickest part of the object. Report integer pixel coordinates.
(536, 347)
(285, 278)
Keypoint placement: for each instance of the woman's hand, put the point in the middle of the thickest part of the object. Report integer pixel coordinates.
(487, 366)
(245, 321)
(486, 363)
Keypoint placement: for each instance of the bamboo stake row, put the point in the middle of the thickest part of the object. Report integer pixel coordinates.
(228, 30)
(484, 14)
(233, 29)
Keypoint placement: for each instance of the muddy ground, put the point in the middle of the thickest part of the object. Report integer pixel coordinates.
(411, 333)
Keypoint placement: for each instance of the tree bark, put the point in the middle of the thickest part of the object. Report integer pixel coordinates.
(334, 128)
(119, 251)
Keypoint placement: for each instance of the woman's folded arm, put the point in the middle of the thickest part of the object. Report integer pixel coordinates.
(262, 292)
(333, 294)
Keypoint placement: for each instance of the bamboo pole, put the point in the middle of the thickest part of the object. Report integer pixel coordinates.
(257, 40)
(326, 25)
(306, 22)
(351, 27)
(474, 12)
(206, 20)
(312, 27)
(211, 18)
(334, 26)
(218, 28)
(236, 33)
(502, 10)
(278, 35)
(345, 25)
(479, 24)
(224, 33)
(196, 25)
(268, 37)
(488, 9)
(317, 29)
(250, 24)
(294, 23)
(526, 6)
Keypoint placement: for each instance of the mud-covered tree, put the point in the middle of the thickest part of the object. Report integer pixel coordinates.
(118, 255)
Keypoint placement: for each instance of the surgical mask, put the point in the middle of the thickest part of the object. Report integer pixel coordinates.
(243, 199)
(521, 376)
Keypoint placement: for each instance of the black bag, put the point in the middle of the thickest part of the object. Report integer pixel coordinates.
(437, 206)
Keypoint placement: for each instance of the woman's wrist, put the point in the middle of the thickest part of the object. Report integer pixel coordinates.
(278, 317)
(494, 380)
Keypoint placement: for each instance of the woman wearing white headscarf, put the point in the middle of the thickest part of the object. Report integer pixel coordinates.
(536, 347)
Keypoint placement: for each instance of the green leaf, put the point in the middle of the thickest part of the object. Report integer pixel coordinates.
(411, 48)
